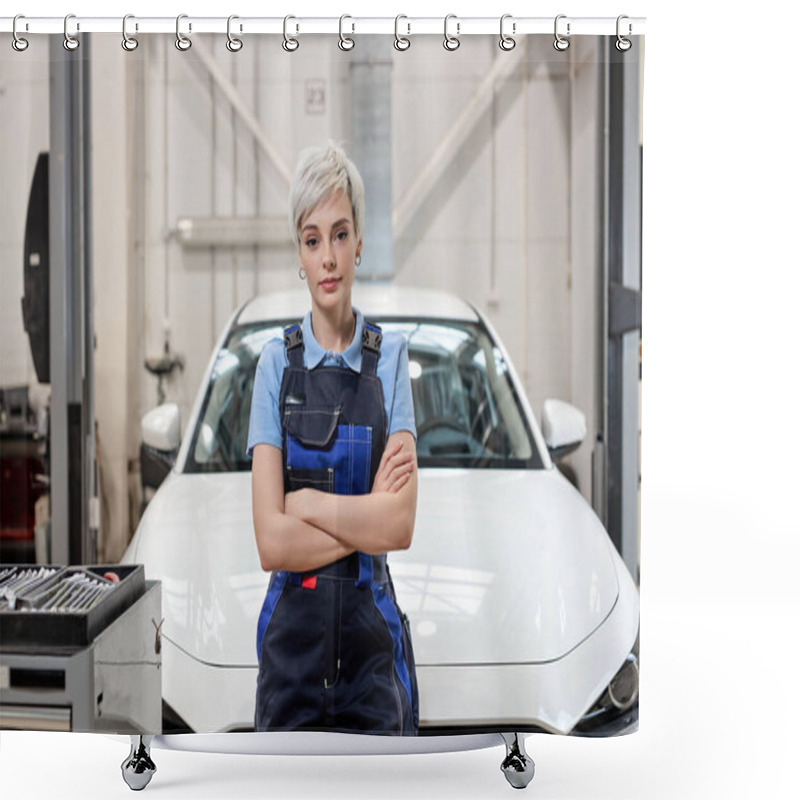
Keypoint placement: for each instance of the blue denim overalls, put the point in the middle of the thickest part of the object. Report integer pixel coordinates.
(334, 648)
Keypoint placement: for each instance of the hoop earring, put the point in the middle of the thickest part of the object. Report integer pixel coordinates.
(301, 274)
(358, 261)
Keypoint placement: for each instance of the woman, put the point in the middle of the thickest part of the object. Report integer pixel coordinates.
(332, 439)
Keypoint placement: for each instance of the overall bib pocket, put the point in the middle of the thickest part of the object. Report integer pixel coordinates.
(320, 479)
(322, 454)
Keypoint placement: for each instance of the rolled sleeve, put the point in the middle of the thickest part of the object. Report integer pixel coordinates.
(401, 417)
(265, 421)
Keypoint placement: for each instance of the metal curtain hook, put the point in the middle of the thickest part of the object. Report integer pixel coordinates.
(233, 44)
(506, 42)
(560, 43)
(18, 43)
(623, 44)
(345, 42)
(401, 42)
(70, 42)
(290, 44)
(129, 43)
(451, 42)
(183, 43)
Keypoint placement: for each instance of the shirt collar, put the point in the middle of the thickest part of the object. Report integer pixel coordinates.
(315, 354)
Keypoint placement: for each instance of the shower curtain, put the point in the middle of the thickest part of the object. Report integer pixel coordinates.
(502, 240)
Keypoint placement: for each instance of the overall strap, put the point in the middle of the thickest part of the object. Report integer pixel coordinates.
(370, 348)
(293, 341)
(364, 579)
(370, 353)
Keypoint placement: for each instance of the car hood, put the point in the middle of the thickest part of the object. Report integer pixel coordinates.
(506, 566)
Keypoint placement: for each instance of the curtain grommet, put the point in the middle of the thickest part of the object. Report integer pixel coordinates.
(18, 42)
(451, 43)
(622, 44)
(129, 43)
(507, 42)
(183, 43)
(70, 42)
(346, 43)
(561, 43)
(290, 43)
(233, 44)
(401, 43)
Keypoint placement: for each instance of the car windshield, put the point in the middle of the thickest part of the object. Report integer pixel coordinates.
(466, 410)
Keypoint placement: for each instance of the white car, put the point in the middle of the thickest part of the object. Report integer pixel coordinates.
(523, 615)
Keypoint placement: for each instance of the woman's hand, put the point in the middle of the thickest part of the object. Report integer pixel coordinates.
(395, 468)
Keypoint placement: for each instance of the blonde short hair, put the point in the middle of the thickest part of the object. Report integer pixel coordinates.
(322, 172)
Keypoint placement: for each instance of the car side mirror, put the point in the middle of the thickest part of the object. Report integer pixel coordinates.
(563, 427)
(161, 438)
(161, 427)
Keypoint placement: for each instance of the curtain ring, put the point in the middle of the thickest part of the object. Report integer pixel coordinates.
(233, 44)
(506, 42)
(70, 42)
(290, 44)
(345, 42)
(18, 43)
(129, 43)
(183, 43)
(560, 43)
(451, 42)
(623, 44)
(401, 43)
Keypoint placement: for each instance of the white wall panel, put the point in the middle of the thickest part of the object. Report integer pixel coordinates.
(223, 166)
(223, 144)
(274, 94)
(510, 315)
(244, 196)
(246, 179)
(509, 215)
(549, 347)
(154, 197)
(446, 265)
(548, 160)
(585, 219)
(110, 261)
(549, 323)
(193, 335)
(430, 90)
(189, 120)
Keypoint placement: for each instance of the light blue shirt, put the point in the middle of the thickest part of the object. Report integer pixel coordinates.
(265, 423)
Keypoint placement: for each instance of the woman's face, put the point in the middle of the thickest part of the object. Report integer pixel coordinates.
(328, 250)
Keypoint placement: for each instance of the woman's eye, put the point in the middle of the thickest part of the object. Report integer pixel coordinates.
(341, 235)
(311, 241)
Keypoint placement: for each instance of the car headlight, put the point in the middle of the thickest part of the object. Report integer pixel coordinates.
(617, 710)
(624, 687)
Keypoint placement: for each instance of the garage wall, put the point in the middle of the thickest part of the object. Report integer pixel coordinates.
(498, 227)
(495, 228)
(586, 220)
(200, 161)
(113, 313)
